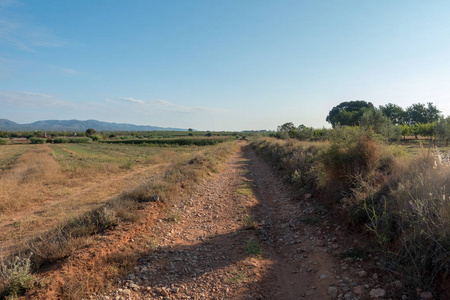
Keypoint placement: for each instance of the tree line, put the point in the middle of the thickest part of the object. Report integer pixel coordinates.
(390, 121)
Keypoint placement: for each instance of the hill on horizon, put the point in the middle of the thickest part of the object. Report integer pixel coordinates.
(77, 125)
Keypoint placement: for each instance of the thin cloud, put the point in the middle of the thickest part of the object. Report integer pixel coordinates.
(132, 100)
(167, 106)
(26, 98)
(22, 34)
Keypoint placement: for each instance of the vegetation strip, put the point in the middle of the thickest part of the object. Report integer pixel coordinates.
(400, 199)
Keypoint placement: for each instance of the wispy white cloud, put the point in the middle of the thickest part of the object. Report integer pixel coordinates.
(26, 98)
(167, 106)
(132, 100)
(21, 33)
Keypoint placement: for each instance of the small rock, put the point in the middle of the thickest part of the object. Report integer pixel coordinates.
(362, 274)
(398, 284)
(426, 296)
(308, 196)
(375, 276)
(376, 293)
(358, 290)
(321, 243)
(126, 292)
(334, 246)
(332, 290)
(323, 276)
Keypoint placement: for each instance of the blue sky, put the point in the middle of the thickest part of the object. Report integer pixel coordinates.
(218, 65)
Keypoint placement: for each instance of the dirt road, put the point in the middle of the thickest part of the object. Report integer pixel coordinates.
(239, 236)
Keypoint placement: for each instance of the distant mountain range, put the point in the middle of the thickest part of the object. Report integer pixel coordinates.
(76, 125)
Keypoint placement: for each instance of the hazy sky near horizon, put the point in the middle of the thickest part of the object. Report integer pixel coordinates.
(218, 65)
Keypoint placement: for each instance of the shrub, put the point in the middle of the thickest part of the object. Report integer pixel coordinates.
(80, 140)
(423, 209)
(16, 275)
(60, 140)
(96, 138)
(4, 141)
(37, 140)
(296, 159)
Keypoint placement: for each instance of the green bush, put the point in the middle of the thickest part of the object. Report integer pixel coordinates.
(4, 141)
(16, 275)
(96, 138)
(60, 140)
(37, 140)
(80, 140)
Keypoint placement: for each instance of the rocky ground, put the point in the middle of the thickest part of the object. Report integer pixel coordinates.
(242, 236)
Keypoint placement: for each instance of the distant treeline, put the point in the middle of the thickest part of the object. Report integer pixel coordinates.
(390, 121)
(173, 141)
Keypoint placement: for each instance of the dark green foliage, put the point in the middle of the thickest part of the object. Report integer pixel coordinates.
(419, 113)
(394, 112)
(90, 131)
(37, 140)
(60, 140)
(75, 140)
(348, 113)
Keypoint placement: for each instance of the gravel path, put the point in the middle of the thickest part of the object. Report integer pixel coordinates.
(241, 236)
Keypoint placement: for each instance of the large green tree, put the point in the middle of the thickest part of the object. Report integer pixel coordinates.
(394, 112)
(421, 113)
(348, 113)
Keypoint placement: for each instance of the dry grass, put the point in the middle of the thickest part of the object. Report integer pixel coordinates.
(25, 182)
(86, 208)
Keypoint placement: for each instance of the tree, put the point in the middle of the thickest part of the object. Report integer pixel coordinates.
(287, 130)
(375, 119)
(348, 113)
(394, 112)
(442, 129)
(286, 127)
(90, 131)
(419, 113)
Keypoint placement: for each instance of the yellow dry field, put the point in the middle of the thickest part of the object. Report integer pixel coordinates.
(42, 186)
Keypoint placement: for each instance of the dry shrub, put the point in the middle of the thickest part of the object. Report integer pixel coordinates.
(423, 206)
(296, 159)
